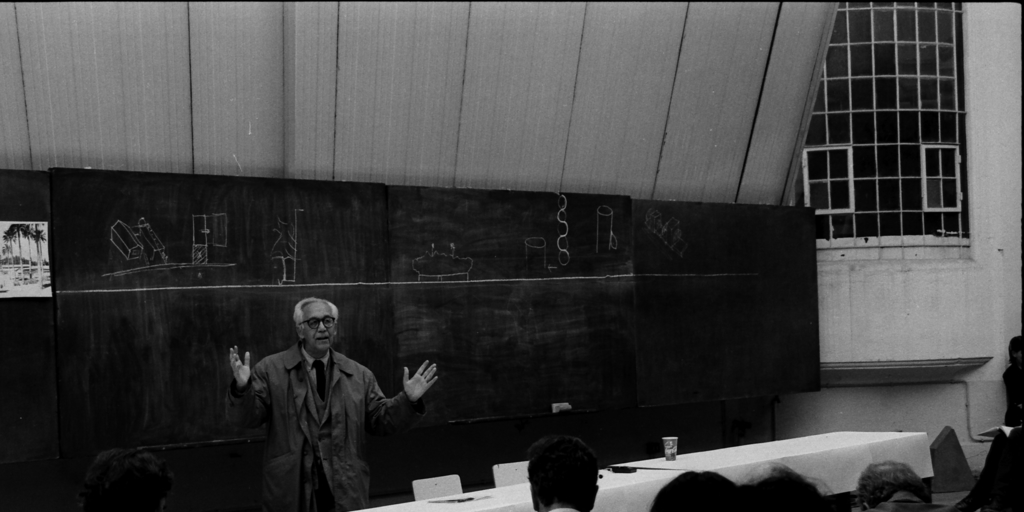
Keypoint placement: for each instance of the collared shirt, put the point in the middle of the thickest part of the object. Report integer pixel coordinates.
(308, 363)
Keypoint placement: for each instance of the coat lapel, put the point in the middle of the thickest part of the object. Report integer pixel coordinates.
(300, 390)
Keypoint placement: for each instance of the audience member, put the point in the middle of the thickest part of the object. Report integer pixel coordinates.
(777, 487)
(697, 491)
(894, 487)
(563, 475)
(126, 480)
(1013, 379)
(1006, 488)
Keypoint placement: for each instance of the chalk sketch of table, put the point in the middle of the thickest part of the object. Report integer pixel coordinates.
(835, 459)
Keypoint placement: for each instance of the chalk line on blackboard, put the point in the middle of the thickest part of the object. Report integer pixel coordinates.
(286, 247)
(438, 266)
(605, 214)
(563, 231)
(400, 283)
(140, 242)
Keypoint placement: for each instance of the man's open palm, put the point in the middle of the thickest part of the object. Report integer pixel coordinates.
(419, 383)
(239, 369)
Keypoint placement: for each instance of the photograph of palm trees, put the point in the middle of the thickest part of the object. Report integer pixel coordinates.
(24, 260)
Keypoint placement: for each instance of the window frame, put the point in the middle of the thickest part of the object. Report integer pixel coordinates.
(924, 179)
(849, 179)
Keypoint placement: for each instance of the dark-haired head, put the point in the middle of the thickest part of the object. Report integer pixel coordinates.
(697, 491)
(1015, 349)
(783, 487)
(881, 480)
(126, 480)
(562, 471)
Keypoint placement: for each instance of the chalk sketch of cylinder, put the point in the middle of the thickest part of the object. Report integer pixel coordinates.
(605, 235)
(208, 230)
(536, 253)
(137, 242)
(439, 266)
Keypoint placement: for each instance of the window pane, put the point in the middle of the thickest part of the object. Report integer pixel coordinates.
(836, 67)
(860, 26)
(949, 193)
(867, 225)
(883, 25)
(928, 65)
(934, 192)
(861, 93)
(888, 194)
(926, 25)
(907, 59)
(822, 230)
(889, 224)
(886, 127)
(929, 126)
(948, 123)
(931, 162)
(819, 196)
(863, 128)
(945, 27)
(885, 59)
(819, 98)
(840, 194)
(912, 224)
(910, 161)
(864, 195)
(951, 223)
(838, 95)
(929, 93)
(817, 165)
(816, 131)
(911, 194)
(946, 55)
(839, 128)
(905, 21)
(860, 60)
(908, 127)
(863, 161)
(947, 95)
(839, 29)
(837, 166)
(947, 158)
(932, 223)
(842, 226)
(888, 160)
(908, 93)
(885, 93)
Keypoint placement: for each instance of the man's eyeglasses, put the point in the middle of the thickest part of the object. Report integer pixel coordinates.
(314, 323)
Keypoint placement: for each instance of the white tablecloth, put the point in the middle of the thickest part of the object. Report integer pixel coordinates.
(834, 460)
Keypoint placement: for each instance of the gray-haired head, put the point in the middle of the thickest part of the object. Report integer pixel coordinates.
(297, 313)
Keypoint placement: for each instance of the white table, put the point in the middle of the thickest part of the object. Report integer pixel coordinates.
(835, 460)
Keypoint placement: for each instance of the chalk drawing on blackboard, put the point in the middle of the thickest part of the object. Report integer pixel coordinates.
(563, 232)
(536, 253)
(666, 231)
(139, 242)
(285, 251)
(439, 266)
(605, 216)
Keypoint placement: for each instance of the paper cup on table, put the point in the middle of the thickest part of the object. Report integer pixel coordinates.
(670, 447)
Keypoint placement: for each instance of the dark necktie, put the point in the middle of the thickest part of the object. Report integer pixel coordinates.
(321, 380)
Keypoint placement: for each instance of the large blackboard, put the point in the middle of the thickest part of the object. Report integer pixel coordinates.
(28, 382)
(159, 274)
(726, 301)
(522, 298)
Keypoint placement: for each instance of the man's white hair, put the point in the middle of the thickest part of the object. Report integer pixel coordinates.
(297, 314)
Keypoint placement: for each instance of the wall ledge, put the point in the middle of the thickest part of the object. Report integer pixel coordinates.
(916, 371)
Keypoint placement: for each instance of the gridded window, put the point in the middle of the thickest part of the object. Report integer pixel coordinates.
(883, 162)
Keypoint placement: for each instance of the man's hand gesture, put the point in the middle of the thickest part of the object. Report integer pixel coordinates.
(241, 371)
(419, 383)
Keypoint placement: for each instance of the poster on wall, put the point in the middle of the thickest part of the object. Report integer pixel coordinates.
(24, 259)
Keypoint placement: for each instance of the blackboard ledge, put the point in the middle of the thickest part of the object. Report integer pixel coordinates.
(521, 417)
(202, 444)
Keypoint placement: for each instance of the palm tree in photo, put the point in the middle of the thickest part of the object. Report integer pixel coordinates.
(25, 231)
(8, 239)
(39, 236)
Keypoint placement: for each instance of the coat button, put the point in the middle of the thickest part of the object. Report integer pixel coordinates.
(305, 450)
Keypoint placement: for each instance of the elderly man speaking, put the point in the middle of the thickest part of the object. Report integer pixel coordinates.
(318, 406)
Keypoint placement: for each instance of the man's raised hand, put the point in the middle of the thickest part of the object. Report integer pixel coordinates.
(241, 370)
(419, 383)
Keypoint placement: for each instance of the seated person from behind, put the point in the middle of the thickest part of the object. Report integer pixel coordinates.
(892, 486)
(776, 486)
(563, 475)
(126, 480)
(697, 491)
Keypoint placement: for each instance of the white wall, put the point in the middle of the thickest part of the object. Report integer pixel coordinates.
(907, 310)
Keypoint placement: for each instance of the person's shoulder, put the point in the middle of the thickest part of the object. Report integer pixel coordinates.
(281, 360)
(351, 366)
